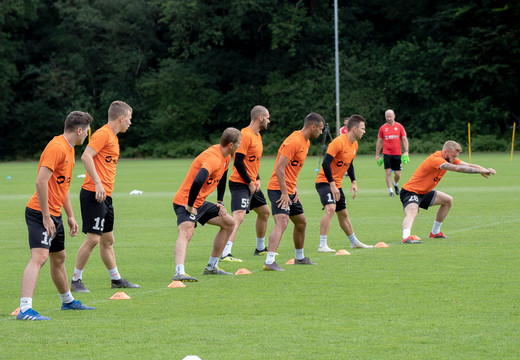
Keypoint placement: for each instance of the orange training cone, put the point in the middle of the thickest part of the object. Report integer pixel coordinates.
(382, 244)
(342, 252)
(120, 295)
(176, 284)
(243, 271)
(16, 312)
(290, 262)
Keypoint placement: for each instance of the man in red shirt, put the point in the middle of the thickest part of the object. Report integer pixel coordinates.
(418, 191)
(389, 139)
(43, 216)
(343, 130)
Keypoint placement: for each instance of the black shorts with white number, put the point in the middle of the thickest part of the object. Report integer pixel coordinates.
(295, 208)
(98, 217)
(38, 235)
(424, 201)
(205, 212)
(326, 197)
(241, 199)
(393, 162)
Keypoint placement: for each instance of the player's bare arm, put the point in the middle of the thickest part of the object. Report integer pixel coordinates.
(42, 191)
(379, 146)
(73, 225)
(468, 169)
(353, 188)
(88, 161)
(284, 200)
(334, 190)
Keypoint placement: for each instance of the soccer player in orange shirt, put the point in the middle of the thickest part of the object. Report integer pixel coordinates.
(389, 140)
(283, 192)
(418, 191)
(207, 172)
(244, 183)
(338, 161)
(100, 159)
(43, 216)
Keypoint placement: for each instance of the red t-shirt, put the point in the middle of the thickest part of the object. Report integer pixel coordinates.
(391, 136)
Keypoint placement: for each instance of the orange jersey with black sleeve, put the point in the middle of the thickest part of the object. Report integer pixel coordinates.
(343, 152)
(252, 148)
(428, 174)
(58, 156)
(295, 147)
(215, 163)
(106, 145)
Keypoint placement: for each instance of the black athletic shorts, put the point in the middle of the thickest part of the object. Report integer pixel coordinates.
(241, 199)
(393, 162)
(326, 197)
(205, 212)
(293, 209)
(98, 218)
(424, 201)
(38, 235)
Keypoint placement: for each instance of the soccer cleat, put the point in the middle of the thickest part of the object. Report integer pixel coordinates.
(304, 261)
(123, 283)
(78, 286)
(210, 270)
(325, 249)
(30, 314)
(75, 305)
(260, 252)
(411, 240)
(184, 278)
(439, 235)
(390, 193)
(230, 258)
(359, 245)
(396, 189)
(272, 267)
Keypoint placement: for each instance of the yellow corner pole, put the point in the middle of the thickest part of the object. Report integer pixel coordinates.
(469, 141)
(513, 141)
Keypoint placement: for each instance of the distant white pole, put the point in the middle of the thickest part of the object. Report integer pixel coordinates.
(337, 63)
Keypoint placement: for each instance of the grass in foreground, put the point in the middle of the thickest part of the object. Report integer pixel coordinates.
(454, 298)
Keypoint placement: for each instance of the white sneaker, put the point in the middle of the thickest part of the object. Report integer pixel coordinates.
(325, 249)
(359, 244)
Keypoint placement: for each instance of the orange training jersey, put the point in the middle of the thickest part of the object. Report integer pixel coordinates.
(295, 147)
(215, 163)
(428, 174)
(252, 148)
(106, 144)
(343, 152)
(58, 156)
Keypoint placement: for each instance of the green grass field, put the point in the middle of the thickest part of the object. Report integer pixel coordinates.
(444, 299)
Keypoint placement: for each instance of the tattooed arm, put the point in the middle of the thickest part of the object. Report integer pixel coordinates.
(464, 167)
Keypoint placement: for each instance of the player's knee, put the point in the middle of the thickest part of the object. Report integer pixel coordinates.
(39, 258)
(58, 258)
(449, 200)
(92, 239)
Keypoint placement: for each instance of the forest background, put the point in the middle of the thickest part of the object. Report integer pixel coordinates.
(191, 68)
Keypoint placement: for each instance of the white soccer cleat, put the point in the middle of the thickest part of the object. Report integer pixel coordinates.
(360, 245)
(325, 249)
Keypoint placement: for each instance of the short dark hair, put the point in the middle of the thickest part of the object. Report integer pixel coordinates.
(258, 111)
(354, 121)
(77, 119)
(313, 119)
(230, 135)
(118, 108)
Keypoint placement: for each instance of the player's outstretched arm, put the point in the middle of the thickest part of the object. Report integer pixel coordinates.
(468, 169)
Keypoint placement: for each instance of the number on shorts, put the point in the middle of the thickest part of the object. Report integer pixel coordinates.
(245, 203)
(45, 240)
(329, 197)
(99, 221)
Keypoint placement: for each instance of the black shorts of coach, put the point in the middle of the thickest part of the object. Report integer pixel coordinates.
(393, 162)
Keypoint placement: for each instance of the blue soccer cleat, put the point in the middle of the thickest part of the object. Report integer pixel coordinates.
(75, 305)
(30, 314)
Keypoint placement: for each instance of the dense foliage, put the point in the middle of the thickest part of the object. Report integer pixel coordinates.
(190, 68)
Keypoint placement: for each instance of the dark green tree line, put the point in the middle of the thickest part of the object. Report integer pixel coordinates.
(190, 68)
